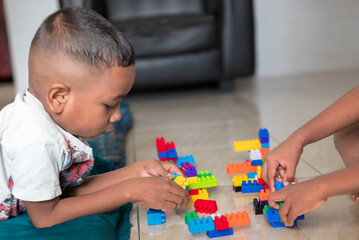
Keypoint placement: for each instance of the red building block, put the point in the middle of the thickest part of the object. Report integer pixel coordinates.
(173, 160)
(205, 206)
(261, 181)
(239, 168)
(170, 145)
(193, 192)
(238, 219)
(220, 223)
(164, 159)
(161, 145)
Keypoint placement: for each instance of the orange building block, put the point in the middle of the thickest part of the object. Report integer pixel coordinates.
(239, 168)
(238, 219)
(264, 151)
(263, 195)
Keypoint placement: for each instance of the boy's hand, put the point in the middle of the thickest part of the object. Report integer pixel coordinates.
(157, 193)
(156, 168)
(298, 199)
(280, 163)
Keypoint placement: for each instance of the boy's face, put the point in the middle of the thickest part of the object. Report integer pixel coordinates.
(92, 108)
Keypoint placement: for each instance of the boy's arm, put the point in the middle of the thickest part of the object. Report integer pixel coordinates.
(308, 195)
(284, 159)
(155, 192)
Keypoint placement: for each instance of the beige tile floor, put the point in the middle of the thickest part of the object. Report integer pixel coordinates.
(205, 122)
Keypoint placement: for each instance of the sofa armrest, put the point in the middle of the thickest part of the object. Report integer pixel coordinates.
(237, 38)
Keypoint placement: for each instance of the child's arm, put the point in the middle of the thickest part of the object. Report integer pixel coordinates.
(155, 192)
(308, 195)
(146, 168)
(284, 159)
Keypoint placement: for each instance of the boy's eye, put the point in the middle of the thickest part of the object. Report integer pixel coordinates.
(108, 107)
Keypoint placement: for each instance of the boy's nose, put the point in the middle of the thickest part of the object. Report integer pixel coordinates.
(116, 116)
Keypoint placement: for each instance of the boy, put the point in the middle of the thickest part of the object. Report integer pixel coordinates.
(80, 68)
(340, 119)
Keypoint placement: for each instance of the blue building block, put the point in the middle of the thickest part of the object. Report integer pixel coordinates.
(258, 162)
(174, 174)
(185, 159)
(265, 145)
(163, 155)
(252, 175)
(272, 215)
(301, 217)
(263, 133)
(280, 224)
(221, 233)
(279, 185)
(172, 153)
(155, 217)
(249, 187)
(203, 225)
(264, 140)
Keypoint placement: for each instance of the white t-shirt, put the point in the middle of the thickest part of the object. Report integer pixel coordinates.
(38, 159)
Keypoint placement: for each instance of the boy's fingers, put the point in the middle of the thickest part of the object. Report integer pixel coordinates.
(290, 174)
(172, 168)
(271, 176)
(283, 212)
(275, 197)
(264, 171)
(290, 218)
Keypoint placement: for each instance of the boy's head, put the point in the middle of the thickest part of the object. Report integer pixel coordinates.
(80, 68)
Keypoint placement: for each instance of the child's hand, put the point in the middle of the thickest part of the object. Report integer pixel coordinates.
(155, 168)
(280, 163)
(298, 199)
(157, 193)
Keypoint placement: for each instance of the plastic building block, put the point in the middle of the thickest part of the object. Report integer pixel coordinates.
(206, 179)
(163, 159)
(161, 145)
(155, 217)
(175, 175)
(279, 185)
(190, 215)
(203, 225)
(272, 215)
(205, 206)
(252, 175)
(263, 194)
(264, 151)
(249, 187)
(280, 224)
(162, 155)
(189, 170)
(237, 180)
(202, 194)
(265, 145)
(263, 133)
(193, 185)
(238, 219)
(255, 154)
(257, 162)
(170, 145)
(193, 192)
(185, 159)
(222, 233)
(220, 223)
(172, 153)
(259, 172)
(192, 179)
(258, 207)
(240, 168)
(237, 189)
(261, 181)
(173, 160)
(182, 181)
(246, 145)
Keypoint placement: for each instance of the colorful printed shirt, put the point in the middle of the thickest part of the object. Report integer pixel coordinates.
(38, 159)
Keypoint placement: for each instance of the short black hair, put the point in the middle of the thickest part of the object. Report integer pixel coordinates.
(86, 37)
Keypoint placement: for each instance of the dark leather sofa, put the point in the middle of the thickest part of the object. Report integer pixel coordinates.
(181, 42)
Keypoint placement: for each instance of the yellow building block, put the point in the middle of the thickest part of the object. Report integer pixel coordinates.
(192, 180)
(202, 194)
(259, 171)
(237, 180)
(246, 145)
(182, 181)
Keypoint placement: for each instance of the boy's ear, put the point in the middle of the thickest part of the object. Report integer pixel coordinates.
(57, 97)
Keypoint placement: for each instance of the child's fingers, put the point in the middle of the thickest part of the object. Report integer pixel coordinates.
(275, 197)
(283, 213)
(291, 216)
(271, 176)
(264, 171)
(170, 167)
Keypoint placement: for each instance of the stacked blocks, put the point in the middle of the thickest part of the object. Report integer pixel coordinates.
(205, 206)
(206, 179)
(182, 181)
(202, 194)
(237, 182)
(188, 169)
(191, 215)
(155, 217)
(185, 159)
(238, 219)
(249, 187)
(258, 207)
(166, 151)
(255, 157)
(263, 194)
(240, 168)
(246, 145)
(203, 225)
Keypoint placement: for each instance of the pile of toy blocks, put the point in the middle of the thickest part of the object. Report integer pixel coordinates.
(214, 225)
(194, 182)
(271, 214)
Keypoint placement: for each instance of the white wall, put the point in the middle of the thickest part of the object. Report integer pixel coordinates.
(299, 36)
(23, 17)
